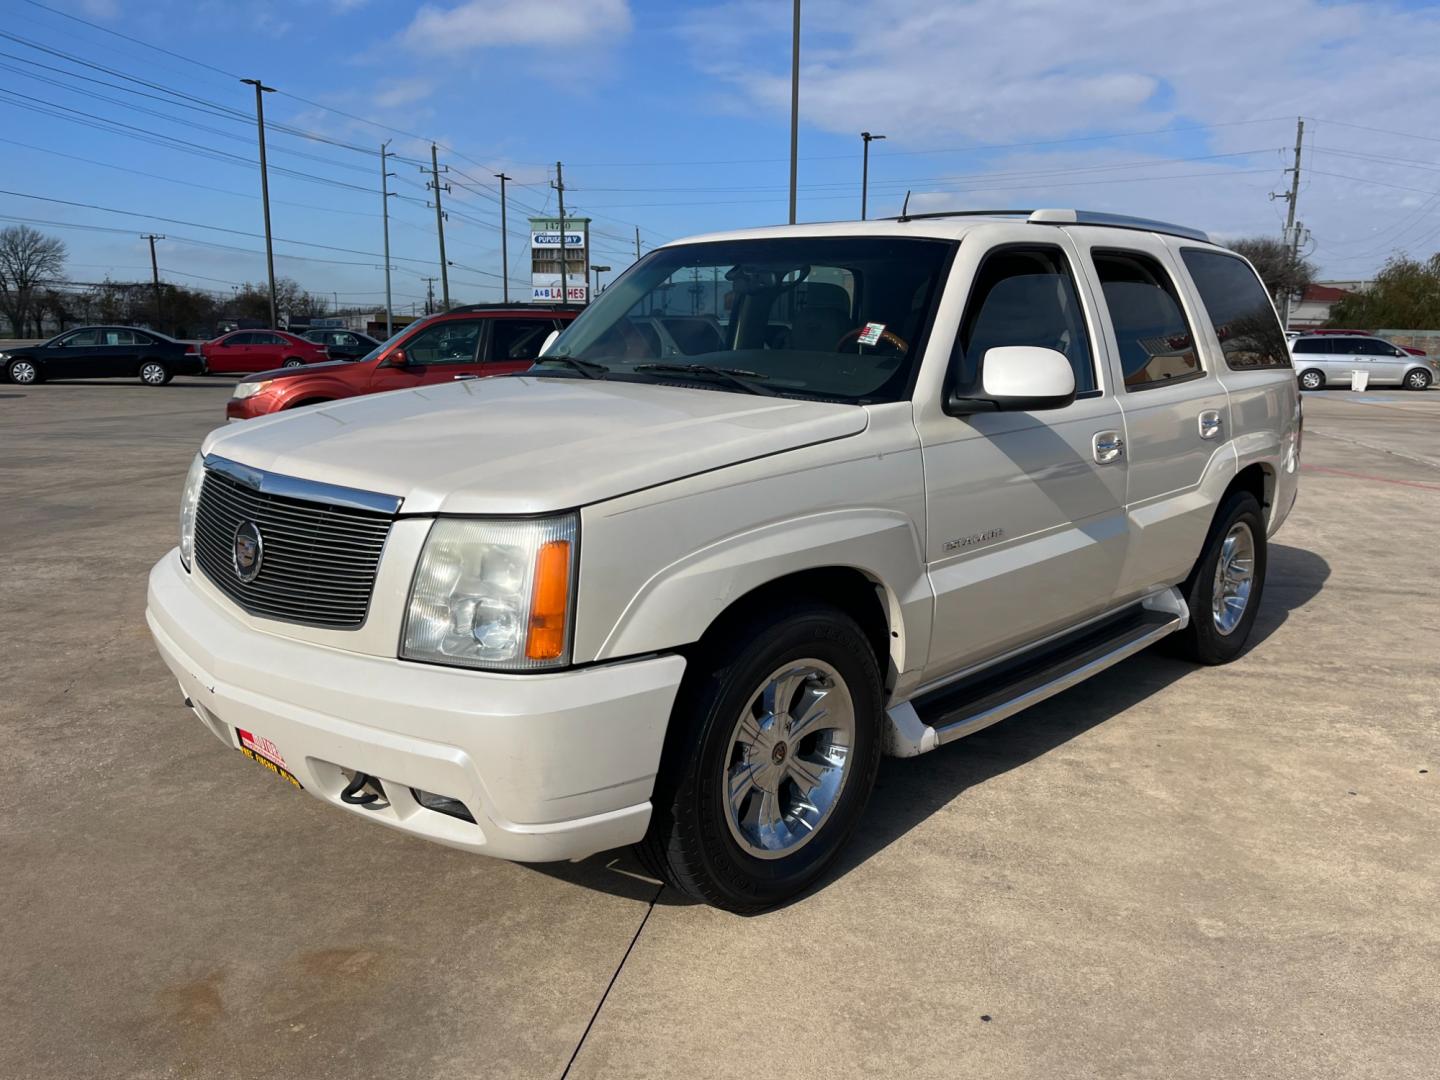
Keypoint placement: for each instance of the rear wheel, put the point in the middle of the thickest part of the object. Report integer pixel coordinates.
(773, 749)
(1418, 379)
(1225, 587)
(23, 372)
(293, 362)
(1312, 379)
(154, 373)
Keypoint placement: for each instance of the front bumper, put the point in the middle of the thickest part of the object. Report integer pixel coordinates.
(551, 767)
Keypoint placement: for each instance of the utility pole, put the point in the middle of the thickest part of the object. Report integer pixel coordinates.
(154, 274)
(559, 185)
(260, 91)
(865, 170)
(385, 217)
(434, 185)
(504, 241)
(1292, 232)
(637, 243)
(794, 107)
(429, 296)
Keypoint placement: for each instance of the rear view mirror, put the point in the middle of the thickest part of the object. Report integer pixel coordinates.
(549, 340)
(1019, 378)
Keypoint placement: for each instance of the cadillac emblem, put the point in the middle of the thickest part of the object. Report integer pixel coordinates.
(249, 551)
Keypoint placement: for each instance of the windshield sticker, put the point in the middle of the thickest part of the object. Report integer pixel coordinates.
(871, 334)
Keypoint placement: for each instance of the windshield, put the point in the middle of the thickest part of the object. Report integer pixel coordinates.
(832, 317)
(374, 354)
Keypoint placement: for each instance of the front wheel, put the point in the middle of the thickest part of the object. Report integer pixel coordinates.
(773, 751)
(292, 362)
(1419, 379)
(1312, 379)
(23, 372)
(1224, 589)
(154, 373)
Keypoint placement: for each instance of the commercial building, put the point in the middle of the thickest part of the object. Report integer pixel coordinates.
(545, 255)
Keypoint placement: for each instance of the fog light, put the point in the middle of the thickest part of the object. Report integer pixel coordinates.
(442, 804)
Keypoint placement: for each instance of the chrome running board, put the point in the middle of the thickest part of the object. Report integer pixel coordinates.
(1013, 685)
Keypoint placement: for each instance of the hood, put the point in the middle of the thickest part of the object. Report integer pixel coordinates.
(290, 373)
(523, 445)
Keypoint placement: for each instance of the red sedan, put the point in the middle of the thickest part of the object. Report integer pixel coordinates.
(244, 351)
(464, 343)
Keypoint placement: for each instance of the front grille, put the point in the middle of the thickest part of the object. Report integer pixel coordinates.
(319, 560)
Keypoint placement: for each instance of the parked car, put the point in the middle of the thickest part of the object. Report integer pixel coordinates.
(688, 603)
(242, 351)
(1323, 359)
(463, 343)
(103, 352)
(1293, 334)
(342, 344)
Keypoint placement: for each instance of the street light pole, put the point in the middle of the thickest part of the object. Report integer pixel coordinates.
(865, 170)
(794, 106)
(504, 241)
(598, 271)
(260, 91)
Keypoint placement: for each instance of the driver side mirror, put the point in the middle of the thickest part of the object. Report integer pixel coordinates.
(397, 358)
(549, 340)
(1018, 378)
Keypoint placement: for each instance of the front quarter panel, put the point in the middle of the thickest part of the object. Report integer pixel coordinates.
(659, 566)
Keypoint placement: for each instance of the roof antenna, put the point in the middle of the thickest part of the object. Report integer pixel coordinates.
(905, 210)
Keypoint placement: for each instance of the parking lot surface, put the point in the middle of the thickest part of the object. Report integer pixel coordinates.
(1165, 872)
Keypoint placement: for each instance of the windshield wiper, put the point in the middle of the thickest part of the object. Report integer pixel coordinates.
(734, 376)
(588, 368)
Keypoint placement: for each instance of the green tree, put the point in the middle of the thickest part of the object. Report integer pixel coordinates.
(1404, 296)
(1273, 261)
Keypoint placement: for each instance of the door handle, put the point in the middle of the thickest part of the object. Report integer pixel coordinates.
(1210, 424)
(1107, 446)
(457, 378)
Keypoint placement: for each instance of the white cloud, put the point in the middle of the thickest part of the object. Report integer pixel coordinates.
(395, 93)
(932, 75)
(478, 24)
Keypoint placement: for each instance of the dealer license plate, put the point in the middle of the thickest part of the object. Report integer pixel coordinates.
(264, 752)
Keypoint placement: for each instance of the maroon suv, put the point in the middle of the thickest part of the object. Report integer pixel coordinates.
(463, 343)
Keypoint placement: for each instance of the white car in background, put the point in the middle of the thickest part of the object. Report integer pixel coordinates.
(1329, 359)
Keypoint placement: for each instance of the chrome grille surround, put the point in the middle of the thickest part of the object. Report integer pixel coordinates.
(322, 543)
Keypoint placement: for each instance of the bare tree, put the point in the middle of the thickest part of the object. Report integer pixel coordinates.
(1279, 269)
(28, 259)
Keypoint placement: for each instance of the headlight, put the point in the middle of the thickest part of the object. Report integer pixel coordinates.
(250, 389)
(493, 594)
(188, 500)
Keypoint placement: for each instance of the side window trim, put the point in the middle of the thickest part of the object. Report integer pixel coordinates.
(1166, 264)
(1099, 371)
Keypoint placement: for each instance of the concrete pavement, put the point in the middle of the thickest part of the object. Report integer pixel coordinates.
(1166, 872)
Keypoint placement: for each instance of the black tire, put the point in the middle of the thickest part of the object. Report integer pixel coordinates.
(293, 362)
(1311, 379)
(1417, 379)
(23, 372)
(155, 372)
(690, 843)
(1203, 641)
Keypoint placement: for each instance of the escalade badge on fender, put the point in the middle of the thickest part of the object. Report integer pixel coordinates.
(249, 551)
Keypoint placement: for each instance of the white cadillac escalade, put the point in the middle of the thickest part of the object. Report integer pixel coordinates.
(779, 502)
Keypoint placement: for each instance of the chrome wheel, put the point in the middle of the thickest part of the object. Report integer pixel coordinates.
(1311, 380)
(789, 759)
(1234, 576)
(1418, 380)
(292, 363)
(152, 374)
(22, 371)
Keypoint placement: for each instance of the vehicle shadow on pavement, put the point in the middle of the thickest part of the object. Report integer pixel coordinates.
(910, 790)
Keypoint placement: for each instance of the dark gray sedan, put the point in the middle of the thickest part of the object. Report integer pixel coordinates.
(102, 352)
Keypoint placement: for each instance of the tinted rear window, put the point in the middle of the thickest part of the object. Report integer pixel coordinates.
(1156, 345)
(1239, 309)
(1312, 345)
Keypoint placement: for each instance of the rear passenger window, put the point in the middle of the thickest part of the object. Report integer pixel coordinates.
(1312, 345)
(1156, 344)
(1239, 309)
(1023, 296)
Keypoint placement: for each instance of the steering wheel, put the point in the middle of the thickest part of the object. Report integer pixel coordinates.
(888, 336)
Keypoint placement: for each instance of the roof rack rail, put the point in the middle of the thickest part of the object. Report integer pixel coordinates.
(525, 305)
(1072, 217)
(1117, 221)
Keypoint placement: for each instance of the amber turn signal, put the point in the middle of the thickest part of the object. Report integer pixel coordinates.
(551, 597)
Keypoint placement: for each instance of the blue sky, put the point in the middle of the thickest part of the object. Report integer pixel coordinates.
(674, 117)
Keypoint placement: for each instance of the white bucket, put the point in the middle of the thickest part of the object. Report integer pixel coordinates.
(1359, 380)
